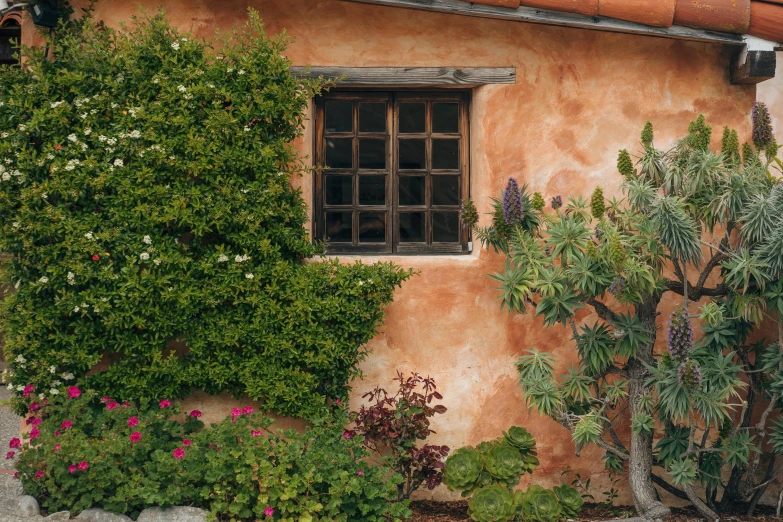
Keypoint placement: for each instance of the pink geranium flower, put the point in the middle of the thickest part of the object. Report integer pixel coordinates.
(66, 424)
(106, 399)
(74, 392)
(34, 434)
(195, 414)
(28, 390)
(186, 442)
(112, 405)
(256, 433)
(347, 434)
(165, 403)
(133, 421)
(15, 443)
(36, 422)
(39, 474)
(236, 412)
(135, 436)
(247, 410)
(34, 406)
(269, 511)
(56, 433)
(57, 447)
(83, 466)
(178, 453)
(29, 420)
(10, 455)
(360, 473)
(72, 468)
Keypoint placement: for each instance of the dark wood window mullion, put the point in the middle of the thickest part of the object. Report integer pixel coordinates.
(428, 180)
(355, 175)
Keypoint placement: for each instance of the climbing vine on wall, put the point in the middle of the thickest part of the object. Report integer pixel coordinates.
(153, 237)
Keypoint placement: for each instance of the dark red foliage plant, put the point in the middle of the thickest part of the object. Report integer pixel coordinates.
(393, 427)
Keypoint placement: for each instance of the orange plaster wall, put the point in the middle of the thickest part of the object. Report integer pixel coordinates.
(771, 93)
(580, 96)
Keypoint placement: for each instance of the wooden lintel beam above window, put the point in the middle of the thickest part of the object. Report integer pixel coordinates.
(751, 66)
(411, 76)
(543, 16)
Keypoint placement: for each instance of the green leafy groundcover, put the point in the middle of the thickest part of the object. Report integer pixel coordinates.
(149, 219)
(87, 452)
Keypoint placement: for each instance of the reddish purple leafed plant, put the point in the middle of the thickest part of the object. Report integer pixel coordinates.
(394, 425)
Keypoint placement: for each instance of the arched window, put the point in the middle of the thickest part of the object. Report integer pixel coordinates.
(10, 33)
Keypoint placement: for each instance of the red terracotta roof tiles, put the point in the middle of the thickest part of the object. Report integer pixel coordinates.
(761, 18)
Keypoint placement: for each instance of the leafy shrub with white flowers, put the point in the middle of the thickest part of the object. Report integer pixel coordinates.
(153, 237)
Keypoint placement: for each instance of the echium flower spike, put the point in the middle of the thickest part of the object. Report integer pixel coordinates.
(597, 204)
(689, 374)
(512, 203)
(557, 202)
(625, 164)
(647, 134)
(730, 147)
(538, 201)
(749, 157)
(680, 334)
(762, 126)
(468, 214)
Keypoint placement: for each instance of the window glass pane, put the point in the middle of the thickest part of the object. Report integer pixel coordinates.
(445, 190)
(412, 227)
(339, 153)
(338, 190)
(338, 227)
(372, 117)
(412, 154)
(411, 190)
(372, 190)
(445, 117)
(445, 227)
(339, 116)
(411, 117)
(445, 154)
(372, 154)
(372, 227)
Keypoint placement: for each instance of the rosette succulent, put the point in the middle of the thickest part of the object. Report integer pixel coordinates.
(540, 505)
(463, 468)
(504, 462)
(492, 504)
(570, 500)
(520, 438)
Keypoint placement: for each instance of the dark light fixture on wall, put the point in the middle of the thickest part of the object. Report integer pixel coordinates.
(44, 13)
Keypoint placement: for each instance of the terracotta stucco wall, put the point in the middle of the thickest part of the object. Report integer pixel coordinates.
(771, 93)
(580, 96)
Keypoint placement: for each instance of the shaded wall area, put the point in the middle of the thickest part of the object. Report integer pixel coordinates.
(580, 96)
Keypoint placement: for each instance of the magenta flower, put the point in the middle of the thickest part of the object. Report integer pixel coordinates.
(34, 406)
(29, 420)
(56, 433)
(348, 435)
(57, 447)
(106, 399)
(112, 405)
(15, 443)
(133, 421)
(66, 424)
(72, 468)
(135, 436)
(195, 414)
(34, 434)
(256, 433)
(39, 474)
(247, 410)
(236, 412)
(36, 422)
(165, 403)
(186, 442)
(74, 392)
(28, 390)
(10, 455)
(83, 466)
(337, 401)
(178, 453)
(16, 474)
(360, 473)
(269, 511)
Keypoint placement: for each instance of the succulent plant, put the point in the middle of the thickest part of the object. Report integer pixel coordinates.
(492, 504)
(540, 505)
(625, 164)
(520, 438)
(504, 462)
(570, 500)
(618, 286)
(463, 468)
(597, 204)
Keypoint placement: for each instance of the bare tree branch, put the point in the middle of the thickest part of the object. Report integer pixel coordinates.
(603, 311)
(668, 487)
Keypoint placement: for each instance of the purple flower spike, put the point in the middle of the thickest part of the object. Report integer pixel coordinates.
(512, 203)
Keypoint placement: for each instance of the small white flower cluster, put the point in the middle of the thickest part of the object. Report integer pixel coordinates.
(181, 88)
(72, 164)
(241, 259)
(89, 235)
(133, 111)
(67, 376)
(134, 134)
(71, 278)
(57, 104)
(249, 276)
(20, 359)
(175, 46)
(118, 163)
(144, 256)
(16, 224)
(79, 102)
(7, 374)
(87, 131)
(6, 174)
(43, 280)
(73, 138)
(147, 240)
(223, 258)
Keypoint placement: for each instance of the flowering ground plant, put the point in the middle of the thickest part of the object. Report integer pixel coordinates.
(147, 207)
(85, 451)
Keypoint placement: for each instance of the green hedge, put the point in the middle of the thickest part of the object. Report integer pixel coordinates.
(146, 204)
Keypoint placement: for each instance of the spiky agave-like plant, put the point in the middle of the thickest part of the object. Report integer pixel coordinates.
(565, 261)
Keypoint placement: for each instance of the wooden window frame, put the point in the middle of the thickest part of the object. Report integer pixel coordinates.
(392, 208)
